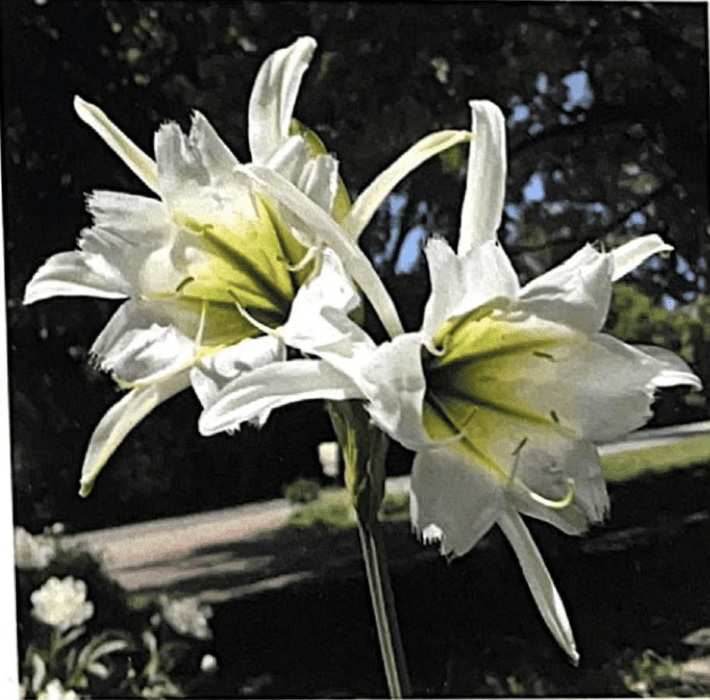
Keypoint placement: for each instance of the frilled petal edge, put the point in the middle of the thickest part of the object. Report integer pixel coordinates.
(453, 498)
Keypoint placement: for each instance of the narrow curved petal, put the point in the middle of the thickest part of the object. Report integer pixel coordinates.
(142, 165)
(379, 189)
(76, 274)
(266, 388)
(273, 97)
(120, 419)
(630, 255)
(303, 214)
(576, 292)
(451, 494)
(539, 581)
(484, 197)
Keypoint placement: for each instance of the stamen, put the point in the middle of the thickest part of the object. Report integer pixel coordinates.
(183, 284)
(556, 505)
(257, 324)
(201, 326)
(310, 255)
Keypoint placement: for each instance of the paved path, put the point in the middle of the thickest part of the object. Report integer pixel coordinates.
(241, 551)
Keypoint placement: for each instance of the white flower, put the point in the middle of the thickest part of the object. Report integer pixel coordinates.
(208, 664)
(212, 267)
(54, 690)
(32, 552)
(187, 616)
(62, 604)
(503, 393)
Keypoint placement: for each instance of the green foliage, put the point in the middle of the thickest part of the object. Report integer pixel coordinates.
(634, 318)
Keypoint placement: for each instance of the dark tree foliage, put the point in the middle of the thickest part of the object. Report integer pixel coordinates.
(607, 111)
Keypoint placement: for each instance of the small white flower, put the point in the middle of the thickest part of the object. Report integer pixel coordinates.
(187, 616)
(62, 604)
(328, 455)
(32, 552)
(208, 664)
(54, 690)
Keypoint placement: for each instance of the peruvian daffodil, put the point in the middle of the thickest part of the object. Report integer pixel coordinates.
(213, 267)
(505, 391)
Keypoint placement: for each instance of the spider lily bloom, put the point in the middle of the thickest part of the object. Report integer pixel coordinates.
(503, 393)
(213, 266)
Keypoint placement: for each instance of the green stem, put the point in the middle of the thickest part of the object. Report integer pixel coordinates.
(383, 604)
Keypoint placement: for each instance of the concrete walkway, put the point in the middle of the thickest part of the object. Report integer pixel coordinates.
(245, 550)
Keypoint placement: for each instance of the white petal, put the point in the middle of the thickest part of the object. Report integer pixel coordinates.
(673, 371)
(319, 181)
(540, 582)
(265, 388)
(460, 284)
(76, 274)
(138, 346)
(273, 97)
(379, 189)
(179, 163)
(576, 292)
(545, 470)
(143, 166)
(307, 329)
(213, 371)
(120, 419)
(595, 388)
(135, 220)
(455, 496)
(630, 255)
(303, 214)
(392, 377)
(216, 156)
(483, 200)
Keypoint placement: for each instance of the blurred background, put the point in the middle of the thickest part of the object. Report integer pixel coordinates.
(607, 114)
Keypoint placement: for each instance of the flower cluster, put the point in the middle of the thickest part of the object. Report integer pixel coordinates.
(503, 393)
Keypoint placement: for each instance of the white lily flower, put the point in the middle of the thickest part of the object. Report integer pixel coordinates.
(212, 268)
(503, 393)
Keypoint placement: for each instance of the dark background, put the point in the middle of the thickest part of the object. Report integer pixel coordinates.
(625, 156)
